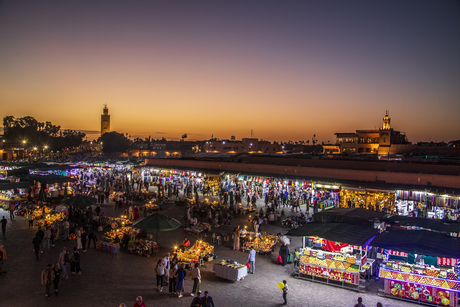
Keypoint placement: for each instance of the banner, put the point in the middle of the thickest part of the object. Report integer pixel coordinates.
(328, 273)
(420, 292)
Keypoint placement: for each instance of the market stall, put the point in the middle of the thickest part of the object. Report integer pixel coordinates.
(367, 199)
(230, 270)
(263, 243)
(50, 219)
(199, 250)
(334, 253)
(420, 265)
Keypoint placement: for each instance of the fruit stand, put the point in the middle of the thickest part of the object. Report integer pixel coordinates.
(198, 251)
(263, 243)
(420, 265)
(422, 282)
(334, 253)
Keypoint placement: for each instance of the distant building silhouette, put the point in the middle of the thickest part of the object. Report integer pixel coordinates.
(105, 120)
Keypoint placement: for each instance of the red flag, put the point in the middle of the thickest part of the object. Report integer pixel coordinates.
(332, 246)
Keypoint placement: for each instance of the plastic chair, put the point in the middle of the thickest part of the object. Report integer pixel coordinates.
(114, 249)
(104, 248)
(110, 248)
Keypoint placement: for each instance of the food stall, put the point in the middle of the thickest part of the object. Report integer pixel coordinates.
(50, 219)
(367, 199)
(263, 243)
(334, 253)
(199, 250)
(138, 243)
(420, 265)
(230, 270)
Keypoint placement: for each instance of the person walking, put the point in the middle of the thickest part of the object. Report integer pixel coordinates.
(84, 237)
(252, 260)
(78, 234)
(160, 272)
(47, 279)
(92, 237)
(64, 259)
(57, 276)
(30, 218)
(181, 273)
(2, 258)
(172, 279)
(207, 301)
(167, 265)
(131, 213)
(75, 262)
(360, 303)
(236, 238)
(139, 302)
(196, 277)
(46, 239)
(66, 227)
(3, 221)
(285, 291)
(37, 242)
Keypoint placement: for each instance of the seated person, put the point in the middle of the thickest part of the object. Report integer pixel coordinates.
(193, 221)
(186, 242)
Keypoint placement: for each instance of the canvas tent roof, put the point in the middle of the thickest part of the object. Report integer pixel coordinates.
(356, 216)
(341, 232)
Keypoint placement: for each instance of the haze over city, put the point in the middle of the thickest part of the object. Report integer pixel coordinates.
(286, 70)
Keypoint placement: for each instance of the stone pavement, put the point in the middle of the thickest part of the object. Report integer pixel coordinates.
(108, 280)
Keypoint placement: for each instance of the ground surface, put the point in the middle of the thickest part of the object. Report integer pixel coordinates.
(108, 280)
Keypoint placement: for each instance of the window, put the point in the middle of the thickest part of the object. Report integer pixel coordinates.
(369, 140)
(344, 149)
(361, 140)
(360, 150)
(353, 149)
(368, 150)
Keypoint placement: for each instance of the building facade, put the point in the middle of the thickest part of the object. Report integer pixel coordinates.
(245, 145)
(382, 141)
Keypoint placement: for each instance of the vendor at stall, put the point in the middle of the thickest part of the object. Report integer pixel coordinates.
(186, 242)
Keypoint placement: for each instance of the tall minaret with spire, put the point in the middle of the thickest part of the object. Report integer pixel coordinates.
(105, 120)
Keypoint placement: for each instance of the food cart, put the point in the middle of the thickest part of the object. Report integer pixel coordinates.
(420, 265)
(334, 253)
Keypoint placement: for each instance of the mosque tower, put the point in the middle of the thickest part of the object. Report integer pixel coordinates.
(386, 122)
(105, 120)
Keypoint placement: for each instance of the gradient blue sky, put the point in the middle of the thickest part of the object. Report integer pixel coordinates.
(286, 69)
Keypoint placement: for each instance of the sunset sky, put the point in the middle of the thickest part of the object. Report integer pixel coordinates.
(286, 69)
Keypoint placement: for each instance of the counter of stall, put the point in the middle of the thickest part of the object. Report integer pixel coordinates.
(231, 270)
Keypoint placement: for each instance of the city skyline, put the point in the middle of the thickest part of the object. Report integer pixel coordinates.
(284, 70)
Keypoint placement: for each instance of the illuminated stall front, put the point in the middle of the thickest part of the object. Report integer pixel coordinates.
(378, 200)
(335, 253)
(420, 265)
